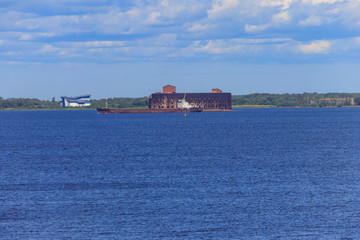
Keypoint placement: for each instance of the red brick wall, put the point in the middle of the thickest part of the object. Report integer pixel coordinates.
(216, 90)
(169, 89)
(207, 101)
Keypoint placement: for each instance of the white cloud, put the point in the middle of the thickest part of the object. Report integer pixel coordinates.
(47, 48)
(311, 21)
(315, 2)
(97, 44)
(25, 36)
(277, 19)
(346, 45)
(282, 17)
(10, 63)
(153, 18)
(31, 36)
(221, 47)
(165, 3)
(219, 6)
(239, 46)
(285, 4)
(163, 28)
(197, 27)
(255, 28)
(315, 47)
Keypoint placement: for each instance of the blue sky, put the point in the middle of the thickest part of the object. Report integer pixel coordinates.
(108, 48)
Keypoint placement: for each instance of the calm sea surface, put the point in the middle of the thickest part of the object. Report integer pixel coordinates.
(246, 174)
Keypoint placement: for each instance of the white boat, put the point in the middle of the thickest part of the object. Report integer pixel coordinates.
(185, 105)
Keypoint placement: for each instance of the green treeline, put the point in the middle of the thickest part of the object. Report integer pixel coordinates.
(32, 103)
(121, 103)
(296, 100)
(255, 99)
(28, 103)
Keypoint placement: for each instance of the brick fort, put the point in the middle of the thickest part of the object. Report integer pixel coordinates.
(216, 100)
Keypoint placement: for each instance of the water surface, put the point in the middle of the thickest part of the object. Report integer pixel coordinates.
(246, 174)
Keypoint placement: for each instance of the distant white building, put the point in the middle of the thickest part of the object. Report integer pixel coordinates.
(79, 101)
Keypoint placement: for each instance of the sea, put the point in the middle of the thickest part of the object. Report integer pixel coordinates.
(279, 173)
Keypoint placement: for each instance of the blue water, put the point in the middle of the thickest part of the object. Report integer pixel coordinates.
(246, 174)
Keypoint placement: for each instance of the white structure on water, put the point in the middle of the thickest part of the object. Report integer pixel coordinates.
(79, 101)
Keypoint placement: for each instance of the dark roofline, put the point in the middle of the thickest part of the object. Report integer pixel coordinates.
(77, 97)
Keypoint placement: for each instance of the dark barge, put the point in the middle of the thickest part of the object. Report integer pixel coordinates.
(112, 110)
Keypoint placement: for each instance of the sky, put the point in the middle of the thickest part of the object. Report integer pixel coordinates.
(131, 48)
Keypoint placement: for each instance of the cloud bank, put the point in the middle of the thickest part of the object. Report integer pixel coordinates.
(163, 30)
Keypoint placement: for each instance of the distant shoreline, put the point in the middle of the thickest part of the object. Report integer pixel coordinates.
(234, 107)
(255, 100)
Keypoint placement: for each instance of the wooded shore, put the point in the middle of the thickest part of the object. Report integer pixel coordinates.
(255, 100)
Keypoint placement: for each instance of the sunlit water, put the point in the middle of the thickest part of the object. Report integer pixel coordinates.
(246, 174)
